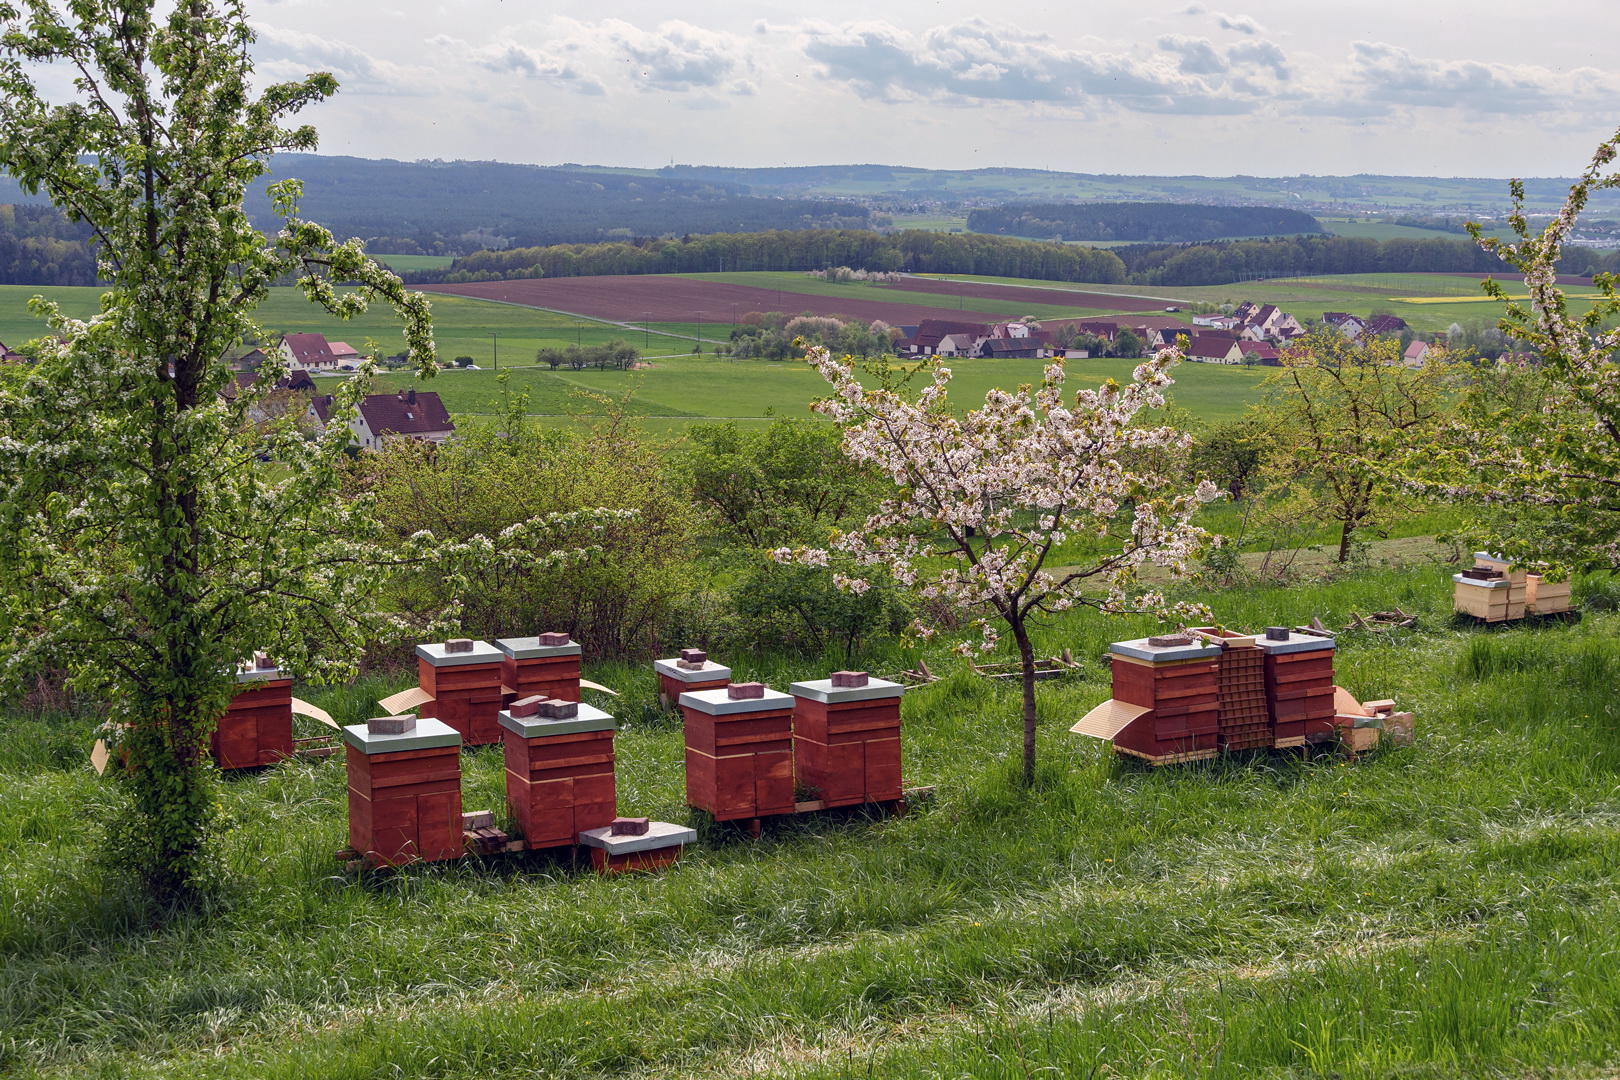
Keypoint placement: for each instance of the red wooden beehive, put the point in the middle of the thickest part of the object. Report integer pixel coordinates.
(547, 665)
(559, 775)
(739, 752)
(1179, 686)
(404, 793)
(465, 687)
(257, 726)
(846, 738)
(1245, 718)
(1299, 687)
(686, 673)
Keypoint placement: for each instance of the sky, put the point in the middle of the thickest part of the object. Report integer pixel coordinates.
(1163, 87)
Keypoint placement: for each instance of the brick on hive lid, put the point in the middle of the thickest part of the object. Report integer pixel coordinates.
(629, 826)
(558, 709)
(391, 725)
(458, 645)
(741, 691)
(529, 706)
(477, 819)
(552, 638)
(1169, 641)
(692, 660)
(850, 678)
(1276, 633)
(262, 661)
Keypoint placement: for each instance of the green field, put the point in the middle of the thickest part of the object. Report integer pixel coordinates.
(1442, 910)
(932, 222)
(415, 262)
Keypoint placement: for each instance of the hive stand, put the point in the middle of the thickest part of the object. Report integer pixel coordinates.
(846, 739)
(679, 675)
(404, 793)
(1178, 686)
(547, 664)
(1299, 687)
(559, 775)
(465, 688)
(739, 753)
(645, 845)
(257, 726)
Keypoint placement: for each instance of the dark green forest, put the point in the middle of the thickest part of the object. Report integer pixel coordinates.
(38, 246)
(1138, 221)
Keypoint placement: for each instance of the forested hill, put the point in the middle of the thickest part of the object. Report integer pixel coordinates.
(1161, 222)
(38, 246)
(463, 206)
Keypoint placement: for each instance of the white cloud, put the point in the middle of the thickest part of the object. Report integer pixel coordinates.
(1243, 24)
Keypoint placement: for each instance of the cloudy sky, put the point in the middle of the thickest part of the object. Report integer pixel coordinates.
(1267, 87)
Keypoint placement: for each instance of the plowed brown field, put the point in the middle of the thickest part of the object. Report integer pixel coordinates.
(674, 299)
(1013, 295)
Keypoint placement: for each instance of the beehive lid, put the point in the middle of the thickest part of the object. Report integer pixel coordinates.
(529, 648)
(709, 672)
(717, 702)
(1139, 649)
(1495, 562)
(1499, 583)
(659, 834)
(482, 653)
(823, 690)
(1296, 643)
(428, 733)
(253, 674)
(1109, 719)
(590, 718)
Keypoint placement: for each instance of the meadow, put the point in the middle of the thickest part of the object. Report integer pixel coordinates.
(1440, 910)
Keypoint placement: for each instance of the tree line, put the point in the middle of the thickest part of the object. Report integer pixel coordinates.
(1138, 221)
(38, 246)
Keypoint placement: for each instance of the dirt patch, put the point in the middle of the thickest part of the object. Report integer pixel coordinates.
(1015, 295)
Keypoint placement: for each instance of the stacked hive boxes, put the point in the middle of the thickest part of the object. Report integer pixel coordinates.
(257, 726)
(463, 680)
(1491, 590)
(1299, 685)
(1543, 597)
(1176, 679)
(739, 751)
(404, 790)
(1245, 721)
(691, 671)
(559, 769)
(846, 738)
(546, 665)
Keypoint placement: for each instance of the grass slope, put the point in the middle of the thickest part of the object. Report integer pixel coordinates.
(1447, 909)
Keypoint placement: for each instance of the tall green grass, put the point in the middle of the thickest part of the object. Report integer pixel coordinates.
(1440, 910)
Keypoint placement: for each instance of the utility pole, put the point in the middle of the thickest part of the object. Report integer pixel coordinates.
(496, 338)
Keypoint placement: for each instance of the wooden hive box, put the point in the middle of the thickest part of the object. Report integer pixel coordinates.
(1501, 600)
(846, 740)
(1299, 687)
(256, 728)
(559, 775)
(466, 689)
(658, 847)
(1543, 597)
(1179, 685)
(404, 793)
(1245, 714)
(739, 753)
(529, 668)
(675, 680)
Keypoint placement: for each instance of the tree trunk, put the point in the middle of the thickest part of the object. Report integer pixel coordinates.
(1344, 542)
(1026, 657)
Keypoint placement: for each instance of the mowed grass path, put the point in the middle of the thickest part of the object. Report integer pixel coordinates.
(1447, 909)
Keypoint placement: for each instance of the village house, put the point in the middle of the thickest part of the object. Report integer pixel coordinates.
(1415, 352)
(409, 414)
(1344, 323)
(925, 341)
(1206, 349)
(308, 352)
(1026, 347)
(346, 355)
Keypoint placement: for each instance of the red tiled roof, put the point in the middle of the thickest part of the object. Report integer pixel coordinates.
(1214, 348)
(309, 349)
(410, 412)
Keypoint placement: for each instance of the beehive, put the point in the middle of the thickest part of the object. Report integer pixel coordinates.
(675, 679)
(540, 665)
(1543, 597)
(739, 752)
(465, 688)
(1245, 719)
(257, 726)
(1179, 687)
(559, 775)
(659, 846)
(846, 738)
(404, 793)
(1299, 687)
(1493, 590)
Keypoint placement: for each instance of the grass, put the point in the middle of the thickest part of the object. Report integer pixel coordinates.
(1447, 909)
(415, 262)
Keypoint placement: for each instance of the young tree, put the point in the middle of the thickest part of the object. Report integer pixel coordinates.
(142, 545)
(1344, 411)
(1540, 450)
(982, 500)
